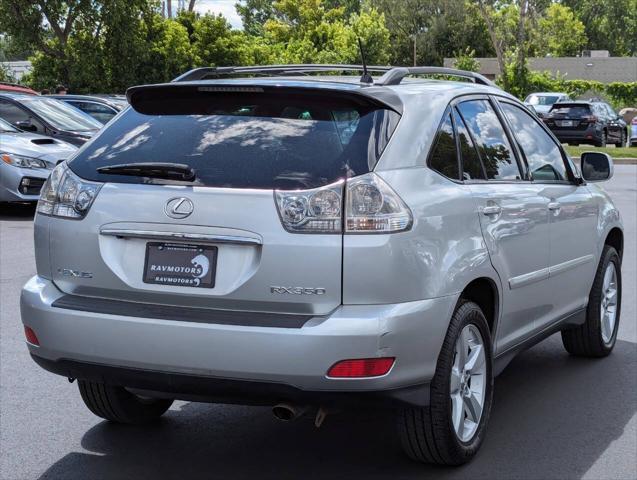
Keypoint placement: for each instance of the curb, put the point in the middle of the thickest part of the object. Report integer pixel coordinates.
(625, 161)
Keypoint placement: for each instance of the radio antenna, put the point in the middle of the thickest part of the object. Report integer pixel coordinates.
(366, 78)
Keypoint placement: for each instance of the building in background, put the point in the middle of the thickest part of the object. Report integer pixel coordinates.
(594, 65)
(17, 69)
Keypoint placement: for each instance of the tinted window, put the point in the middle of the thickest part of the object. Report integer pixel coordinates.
(541, 152)
(471, 166)
(491, 140)
(99, 112)
(573, 111)
(542, 99)
(7, 127)
(444, 158)
(11, 113)
(61, 115)
(246, 140)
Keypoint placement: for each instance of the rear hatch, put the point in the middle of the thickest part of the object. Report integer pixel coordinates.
(192, 182)
(570, 116)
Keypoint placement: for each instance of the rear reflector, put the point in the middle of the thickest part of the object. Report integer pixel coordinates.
(363, 367)
(31, 336)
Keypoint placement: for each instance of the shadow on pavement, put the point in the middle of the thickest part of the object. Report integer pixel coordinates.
(17, 211)
(554, 415)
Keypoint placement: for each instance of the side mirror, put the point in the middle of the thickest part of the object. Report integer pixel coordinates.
(26, 125)
(597, 167)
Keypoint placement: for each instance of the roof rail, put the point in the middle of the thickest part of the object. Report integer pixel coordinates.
(391, 75)
(274, 70)
(396, 75)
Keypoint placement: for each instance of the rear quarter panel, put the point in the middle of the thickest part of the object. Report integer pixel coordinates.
(439, 256)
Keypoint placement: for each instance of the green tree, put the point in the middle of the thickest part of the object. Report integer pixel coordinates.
(427, 31)
(562, 34)
(305, 31)
(609, 25)
(254, 14)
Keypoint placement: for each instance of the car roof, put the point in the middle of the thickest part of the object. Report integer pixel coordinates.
(12, 87)
(547, 93)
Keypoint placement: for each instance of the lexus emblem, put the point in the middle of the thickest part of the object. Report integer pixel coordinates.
(179, 207)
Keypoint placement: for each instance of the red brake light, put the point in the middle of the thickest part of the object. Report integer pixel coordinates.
(362, 367)
(31, 336)
(590, 118)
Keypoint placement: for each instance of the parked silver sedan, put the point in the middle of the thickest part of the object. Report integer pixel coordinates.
(26, 162)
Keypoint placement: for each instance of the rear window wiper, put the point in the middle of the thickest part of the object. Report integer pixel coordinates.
(168, 171)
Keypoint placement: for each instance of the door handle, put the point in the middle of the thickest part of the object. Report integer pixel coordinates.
(492, 210)
(554, 206)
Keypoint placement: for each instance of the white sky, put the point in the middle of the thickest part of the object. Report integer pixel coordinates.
(225, 7)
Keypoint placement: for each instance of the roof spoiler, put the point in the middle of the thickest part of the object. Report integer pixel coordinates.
(181, 98)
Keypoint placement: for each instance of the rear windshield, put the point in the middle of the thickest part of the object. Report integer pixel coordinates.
(245, 140)
(571, 110)
(542, 99)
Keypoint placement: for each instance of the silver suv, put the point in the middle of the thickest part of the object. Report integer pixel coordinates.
(314, 242)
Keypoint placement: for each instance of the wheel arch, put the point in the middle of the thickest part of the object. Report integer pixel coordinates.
(484, 292)
(615, 239)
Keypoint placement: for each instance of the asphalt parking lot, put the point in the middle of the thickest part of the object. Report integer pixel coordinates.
(555, 416)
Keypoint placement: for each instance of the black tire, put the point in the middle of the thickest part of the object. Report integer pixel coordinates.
(622, 140)
(586, 340)
(117, 404)
(427, 434)
(602, 140)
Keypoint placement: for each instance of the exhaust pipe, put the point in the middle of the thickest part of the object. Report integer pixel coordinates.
(287, 412)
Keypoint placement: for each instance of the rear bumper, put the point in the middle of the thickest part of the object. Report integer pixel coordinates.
(241, 363)
(591, 134)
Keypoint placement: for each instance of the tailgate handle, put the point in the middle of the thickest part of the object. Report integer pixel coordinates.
(180, 236)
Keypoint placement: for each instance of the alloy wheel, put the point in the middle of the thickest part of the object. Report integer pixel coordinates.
(468, 383)
(608, 307)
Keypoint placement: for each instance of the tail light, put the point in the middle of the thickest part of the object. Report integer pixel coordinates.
(633, 121)
(590, 118)
(66, 195)
(31, 337)
(361, 367)
(370, 206)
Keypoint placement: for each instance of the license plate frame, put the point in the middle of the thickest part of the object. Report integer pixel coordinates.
(180, 265)
(566, 123)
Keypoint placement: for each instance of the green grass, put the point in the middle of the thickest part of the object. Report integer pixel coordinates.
(612, 151)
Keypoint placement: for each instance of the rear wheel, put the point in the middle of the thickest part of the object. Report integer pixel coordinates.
(597, 336)
(602, 140)
(451, 429)
(622, 140)
(119, 405)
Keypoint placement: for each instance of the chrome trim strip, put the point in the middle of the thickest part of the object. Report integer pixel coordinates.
(564, 266)
(178, 236)
(528, 278)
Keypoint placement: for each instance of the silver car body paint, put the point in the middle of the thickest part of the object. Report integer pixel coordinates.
(380, 294)
(28, 145)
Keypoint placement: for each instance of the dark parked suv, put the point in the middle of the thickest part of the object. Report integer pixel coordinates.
(586, 122)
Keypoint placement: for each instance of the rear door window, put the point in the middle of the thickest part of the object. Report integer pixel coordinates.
(276, 139)
(471, 166)
(491, 140)
(444, 157)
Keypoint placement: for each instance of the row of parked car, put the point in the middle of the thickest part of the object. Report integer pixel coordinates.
(39, 131)
(576, 122)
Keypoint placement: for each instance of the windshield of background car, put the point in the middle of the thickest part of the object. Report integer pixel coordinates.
(61, 115)
(7, 127)
(573, 111)
(542, 99)
(261, 140)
